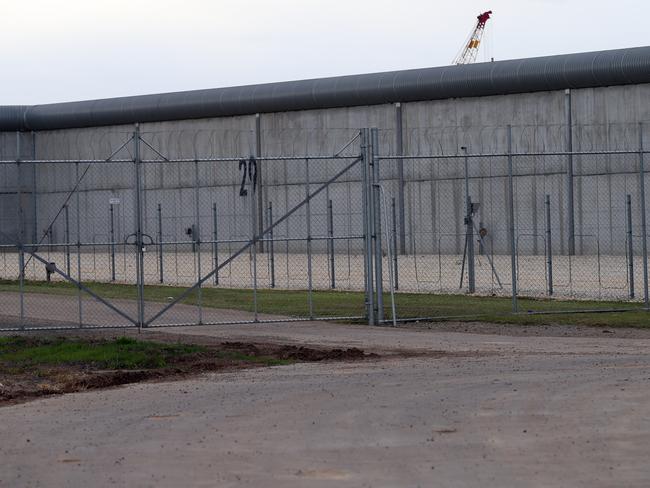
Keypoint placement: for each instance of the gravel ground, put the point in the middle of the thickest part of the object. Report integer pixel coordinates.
(478, 409)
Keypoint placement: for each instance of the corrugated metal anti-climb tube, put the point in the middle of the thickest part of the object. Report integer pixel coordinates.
(582, 70)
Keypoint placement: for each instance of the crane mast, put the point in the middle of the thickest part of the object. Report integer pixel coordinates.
(469, 52)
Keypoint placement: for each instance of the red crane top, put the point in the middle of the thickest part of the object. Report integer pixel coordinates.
(484, 17)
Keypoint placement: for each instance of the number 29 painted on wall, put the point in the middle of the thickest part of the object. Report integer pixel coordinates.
(247, 168)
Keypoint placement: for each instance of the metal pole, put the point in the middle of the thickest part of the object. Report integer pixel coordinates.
(271, 247)
(67, 240)
(469, 230)
(254, 248)
(399, 146)
(366, 213)
(511, 207)
(371, 225)
(644, 232)
(112, 219)
(215, 246)
(330, 243)
(569, 173)
(630, 244)
(309, 263)
(160, 245)
(549, 248)
(260, 167)
(21, 263)
(395, 267)
(471, 269)
(138, 233)
(78, 203)
(379, 275)
(197, 237)
(330, 233)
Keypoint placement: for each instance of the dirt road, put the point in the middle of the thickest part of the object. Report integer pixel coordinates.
(480, 410)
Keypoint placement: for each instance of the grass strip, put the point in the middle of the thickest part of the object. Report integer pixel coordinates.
(121, 353)
(22, 353)
(294, 303)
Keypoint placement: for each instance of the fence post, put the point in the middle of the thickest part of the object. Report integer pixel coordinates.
(549, 248)
(254, 233)
(644, 233)
(271, 248)
(469, 230)
(160, 244)
(395, 270)
(197, 239)
(630, 244)
(330, 232)
(21, 264)
(67, 240)
(215, 246)
(366, 214)
(309, 253)
(139, 244)
(112, 245)
(78, 203)
(511, 207)
(376, 206)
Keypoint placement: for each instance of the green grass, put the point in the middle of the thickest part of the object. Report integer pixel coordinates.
(43, 357)
(121, 353)
(340, 303)
(498, 310)
(280, 302)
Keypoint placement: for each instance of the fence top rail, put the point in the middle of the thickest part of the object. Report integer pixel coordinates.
(513, 154)
(181, 160)
(256, 158)
(64, 161)
(320, 157)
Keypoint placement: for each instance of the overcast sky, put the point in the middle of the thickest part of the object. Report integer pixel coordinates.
(81, 49)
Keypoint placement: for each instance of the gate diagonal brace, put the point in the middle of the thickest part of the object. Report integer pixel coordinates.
(252, 242)
(72, 192)
(81, 286)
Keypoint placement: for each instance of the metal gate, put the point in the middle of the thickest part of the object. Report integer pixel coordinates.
(152, 241)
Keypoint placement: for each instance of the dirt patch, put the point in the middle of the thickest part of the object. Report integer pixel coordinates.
(300, 353)
(18, 384)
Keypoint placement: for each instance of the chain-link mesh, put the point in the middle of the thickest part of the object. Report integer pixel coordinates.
(573, 231)
(163, 228)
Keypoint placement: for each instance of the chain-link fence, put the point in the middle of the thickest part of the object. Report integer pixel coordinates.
(555, 232)
(157, 234)
(145, 241)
